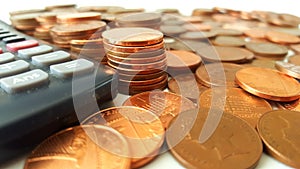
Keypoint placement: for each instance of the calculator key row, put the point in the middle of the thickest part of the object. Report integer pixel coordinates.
(37, 50)
(51, 58)
(13, 68)
(6, 57)
(14, 47)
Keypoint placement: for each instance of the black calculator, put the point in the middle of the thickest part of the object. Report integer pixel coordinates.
(38, 83)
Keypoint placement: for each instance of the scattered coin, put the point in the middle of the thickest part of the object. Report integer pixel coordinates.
(282, 38)
(295, 59)
(229, 41)
(288, 68)
(180, 60)
(267, 49)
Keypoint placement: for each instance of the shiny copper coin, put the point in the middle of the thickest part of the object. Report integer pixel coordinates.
(140, 67)
(132, 36)
(88, 42)
(139, 54)
(202, 11)
(26, 11)
(294, 105)
(256, 33)
(126, 49)
(226, 54)
(237, 102)
(87, 146)
(280, 37)
(229, 41)
(234, 143)
(78, 17)
(295, 48)
(166, 105)
(294, 60)
(288, 68)
(135, 60)
(267, 49)
(187, 86)
(141, 128)
(196, 35)
(179, 59)
(140, 77)
(279, 130)
(217, 74)
(143, 82)
(269, 84)
(78, 28)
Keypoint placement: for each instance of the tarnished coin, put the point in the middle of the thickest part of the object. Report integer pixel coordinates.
(261, 63)
(288, 68)
(132, 36)
(217, 74)
(294, 105)
(226, 54)
(81, 147)
(269, 84)
(141, 128)
(227, 32)
(237, 102)
(267, 49)
(279, 130)
(172, 30)
(166, 105)
(229, 41)
(280, 37)
(234, 143)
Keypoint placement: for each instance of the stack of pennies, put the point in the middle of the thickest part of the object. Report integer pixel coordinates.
(62, 34)
(139, 57)
(25, 22)
(143, 19)
(46, 20)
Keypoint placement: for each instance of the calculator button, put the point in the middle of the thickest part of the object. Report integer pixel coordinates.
(13, 47)
(6, 57)
(67, 69)
(3, 31)
(24, 81)
(13, 68)
(51, 58)
(6, 35)
(28, 53)
(13, 39)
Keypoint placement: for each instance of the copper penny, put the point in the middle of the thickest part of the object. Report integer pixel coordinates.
(78, 17)
(132, 36)
(81, 28)
(280, 37)
(126, 49)
(288, 68)
(279, 130)
(295, 59)
(143, 82)
(135, 60)
(227, 32)
(139, 67)
(180, 59)
(261, 63)
(226, 54)
(87, 146)
(186, 85)
(142, 18)
(197, 27)
(295, 48)
(217, 74)
(229, 41)
(141, 128)
(269, 84)
(140, 77)
(137, 55)
(87, 42)
(237, 102)
(166, 105)
(63, 6)
(267, 49)
(172, 30)
(234, 143)
(294, 105)
(196, 35)
(256, 33)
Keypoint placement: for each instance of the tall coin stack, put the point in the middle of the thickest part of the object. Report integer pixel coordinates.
(139, 57)
(46, 20)
(142, 19)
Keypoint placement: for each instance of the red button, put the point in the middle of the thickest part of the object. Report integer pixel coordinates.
(1, 51)
(13, 47)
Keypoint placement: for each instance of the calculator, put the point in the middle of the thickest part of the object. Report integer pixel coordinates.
(37, 90)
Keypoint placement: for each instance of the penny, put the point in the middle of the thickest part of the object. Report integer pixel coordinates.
(197, 35)
(130, 49)
(256, 33)
(165, 105)
(78, 17)
(269, 84)
(187, 86)
(139, 19)
(182, 60)
(217, 74)
(86, 146)
(267, 49)
(138, 66)
(168, 11)
(202, 11)
(295, 59)
(295, 48)
(288, 68)
(192, 19)
(229, 41)
(172, 30)
(140, 77)
(279, 130)
(226, 54)
(87, 43)
(293, 105)
(141, 128)
(137, 55)
(143, 82)
(136, 60)
(52, 7)
(261, 63)
(237, 102)
(132, 36)
(280, 37)
(197, 27)
(233, 143)
(85, 27)
(227, 32)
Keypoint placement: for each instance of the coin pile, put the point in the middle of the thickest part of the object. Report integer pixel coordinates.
(150, 20)
(139, 57)
(46, 20)
(25, 22)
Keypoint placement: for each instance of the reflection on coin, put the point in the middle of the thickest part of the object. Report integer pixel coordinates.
(288, 68)
(81, 147)
(238, 103)
(269, 84)
(279, 130)
(234, 144)
(166, 105)
(141, 128)
(217, 74)
(294, 105)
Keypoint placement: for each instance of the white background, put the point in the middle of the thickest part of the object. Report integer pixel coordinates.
(185, 7)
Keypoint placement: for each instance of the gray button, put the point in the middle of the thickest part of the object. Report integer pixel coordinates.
(51, 58)
(24, 81)
(6, 57)
(67, 69)
(14, 67)
(29, 52)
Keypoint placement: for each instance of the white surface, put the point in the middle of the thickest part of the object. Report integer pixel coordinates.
(185, 7)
